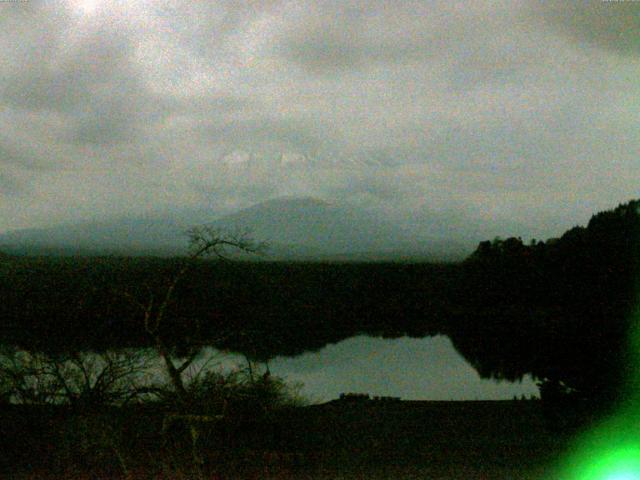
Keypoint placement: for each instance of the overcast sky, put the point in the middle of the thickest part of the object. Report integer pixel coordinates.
(504, 111)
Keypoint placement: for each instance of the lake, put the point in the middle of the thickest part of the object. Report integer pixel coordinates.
(410, 368)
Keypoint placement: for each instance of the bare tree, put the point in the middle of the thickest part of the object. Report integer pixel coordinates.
(24, 378)
(204, 241)
(78, 379)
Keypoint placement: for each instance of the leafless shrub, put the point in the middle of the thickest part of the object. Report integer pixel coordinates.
(77, 379)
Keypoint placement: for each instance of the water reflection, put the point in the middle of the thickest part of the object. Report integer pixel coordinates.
(420, 369)
(424, 369)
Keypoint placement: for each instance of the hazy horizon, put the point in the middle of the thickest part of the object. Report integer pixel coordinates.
(506, 113)
(293, 227)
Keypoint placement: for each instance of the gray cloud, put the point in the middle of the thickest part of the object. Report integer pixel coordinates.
(612, 25)
(12, 156)
(470, 42)
(10, 186)
(18, 165)
(87, 77)
(500, 110)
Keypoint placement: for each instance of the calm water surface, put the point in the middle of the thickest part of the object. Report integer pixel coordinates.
(421, 369)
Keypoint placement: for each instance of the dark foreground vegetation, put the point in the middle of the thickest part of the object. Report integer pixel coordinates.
(459, 440)
(77, 333)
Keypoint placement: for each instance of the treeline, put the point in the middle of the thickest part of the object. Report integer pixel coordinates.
(261, 309)
(559, 309)
(563, 310)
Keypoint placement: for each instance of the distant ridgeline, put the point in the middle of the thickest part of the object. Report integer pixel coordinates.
(558, 310)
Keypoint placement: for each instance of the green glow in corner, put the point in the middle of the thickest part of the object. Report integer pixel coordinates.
(611, 450)
(623, 476)
(619, 464)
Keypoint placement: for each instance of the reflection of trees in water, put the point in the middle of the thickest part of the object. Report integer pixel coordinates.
(560, 310)
(557, 310)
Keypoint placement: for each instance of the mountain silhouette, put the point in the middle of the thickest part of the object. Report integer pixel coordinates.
(294, 228)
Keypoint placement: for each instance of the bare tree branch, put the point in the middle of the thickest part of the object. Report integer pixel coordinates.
(204, 240)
